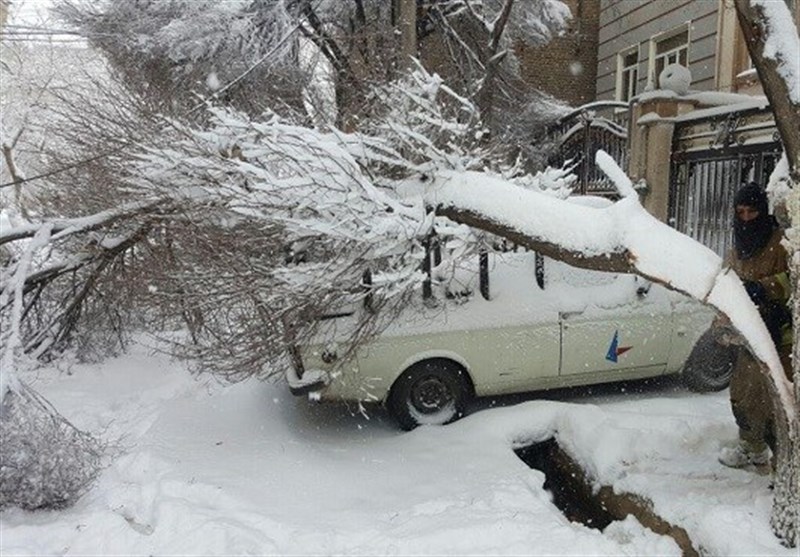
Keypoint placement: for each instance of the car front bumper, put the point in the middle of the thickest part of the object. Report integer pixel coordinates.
(313, 380)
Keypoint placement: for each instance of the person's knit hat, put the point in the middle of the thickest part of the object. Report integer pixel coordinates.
(754, 196)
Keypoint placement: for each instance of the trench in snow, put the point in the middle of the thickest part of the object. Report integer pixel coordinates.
(574, 495)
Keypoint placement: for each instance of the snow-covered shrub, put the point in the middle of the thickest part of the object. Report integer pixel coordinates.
(46, 462)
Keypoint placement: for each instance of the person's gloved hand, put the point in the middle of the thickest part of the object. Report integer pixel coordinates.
(756, 291)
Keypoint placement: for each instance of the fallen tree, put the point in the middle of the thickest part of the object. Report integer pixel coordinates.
(272, 223)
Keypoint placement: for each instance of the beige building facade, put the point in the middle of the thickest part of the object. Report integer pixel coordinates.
(689, 151)
(638, 38)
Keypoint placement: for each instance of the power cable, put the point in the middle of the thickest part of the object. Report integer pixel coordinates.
(126, 144)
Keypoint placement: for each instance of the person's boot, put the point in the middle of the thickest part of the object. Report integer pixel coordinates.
(741, 456)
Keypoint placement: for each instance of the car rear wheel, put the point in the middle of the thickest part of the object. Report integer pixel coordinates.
(710, 364)
(433, 392)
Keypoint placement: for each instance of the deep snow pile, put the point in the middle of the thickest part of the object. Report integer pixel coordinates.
(251, 470)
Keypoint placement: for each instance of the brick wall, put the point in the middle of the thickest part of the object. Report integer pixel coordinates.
(566, 67)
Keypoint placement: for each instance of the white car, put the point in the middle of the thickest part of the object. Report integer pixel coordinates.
(545, 325)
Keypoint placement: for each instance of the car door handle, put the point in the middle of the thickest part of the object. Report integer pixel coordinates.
(569, 314)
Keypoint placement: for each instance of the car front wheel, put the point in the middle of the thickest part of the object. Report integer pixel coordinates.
(433, 392)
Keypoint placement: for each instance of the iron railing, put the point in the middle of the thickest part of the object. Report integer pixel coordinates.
(713, 155)
(584, 131)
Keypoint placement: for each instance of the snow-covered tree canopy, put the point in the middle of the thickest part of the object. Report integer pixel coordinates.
(248, 229)
(253, 54)
(178, 51)
(319, 212)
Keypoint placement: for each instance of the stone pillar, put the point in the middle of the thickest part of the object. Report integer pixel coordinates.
(728, 47)
(651, 127)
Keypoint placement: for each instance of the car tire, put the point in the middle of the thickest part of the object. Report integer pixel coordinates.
(432, 392)
(710, 364)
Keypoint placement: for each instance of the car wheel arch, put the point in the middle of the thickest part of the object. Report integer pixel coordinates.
(431, 391)
(448, 357)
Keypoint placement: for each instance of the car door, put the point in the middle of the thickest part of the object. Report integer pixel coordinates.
(512, 359)
(614, 323)
(605, 343)
(512, 341)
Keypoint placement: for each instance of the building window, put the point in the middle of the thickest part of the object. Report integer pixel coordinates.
(673, 49)
(628, 74)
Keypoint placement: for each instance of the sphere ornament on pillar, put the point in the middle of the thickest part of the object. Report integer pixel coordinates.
(676, 78)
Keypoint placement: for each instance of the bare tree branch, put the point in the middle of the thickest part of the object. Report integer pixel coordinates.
(64, 227)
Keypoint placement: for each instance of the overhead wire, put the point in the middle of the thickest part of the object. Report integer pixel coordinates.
(127, 144)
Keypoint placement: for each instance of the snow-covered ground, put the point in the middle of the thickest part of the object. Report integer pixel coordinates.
(248, 469)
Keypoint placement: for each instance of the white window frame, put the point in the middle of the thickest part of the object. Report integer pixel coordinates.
(619, 94)
(656, 39)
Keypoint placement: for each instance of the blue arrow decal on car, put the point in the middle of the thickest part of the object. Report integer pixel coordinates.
(615, 350)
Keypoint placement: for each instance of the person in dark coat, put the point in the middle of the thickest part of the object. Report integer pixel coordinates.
(761, 262)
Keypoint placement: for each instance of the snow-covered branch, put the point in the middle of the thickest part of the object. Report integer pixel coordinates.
(622, 237)
(782, 44)
(61, 228)
(11, 294)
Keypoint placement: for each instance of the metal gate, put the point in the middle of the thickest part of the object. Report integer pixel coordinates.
(584, 131)
(713, 155)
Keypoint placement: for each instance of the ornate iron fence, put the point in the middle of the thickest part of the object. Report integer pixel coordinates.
(581, 133)
(715, 152)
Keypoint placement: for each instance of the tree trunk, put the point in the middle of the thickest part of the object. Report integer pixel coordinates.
(756, 28)
(407, 25)
(787, 113)
(485, 97)
(785, 519)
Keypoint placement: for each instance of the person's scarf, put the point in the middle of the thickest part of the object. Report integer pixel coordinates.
(750, 237)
